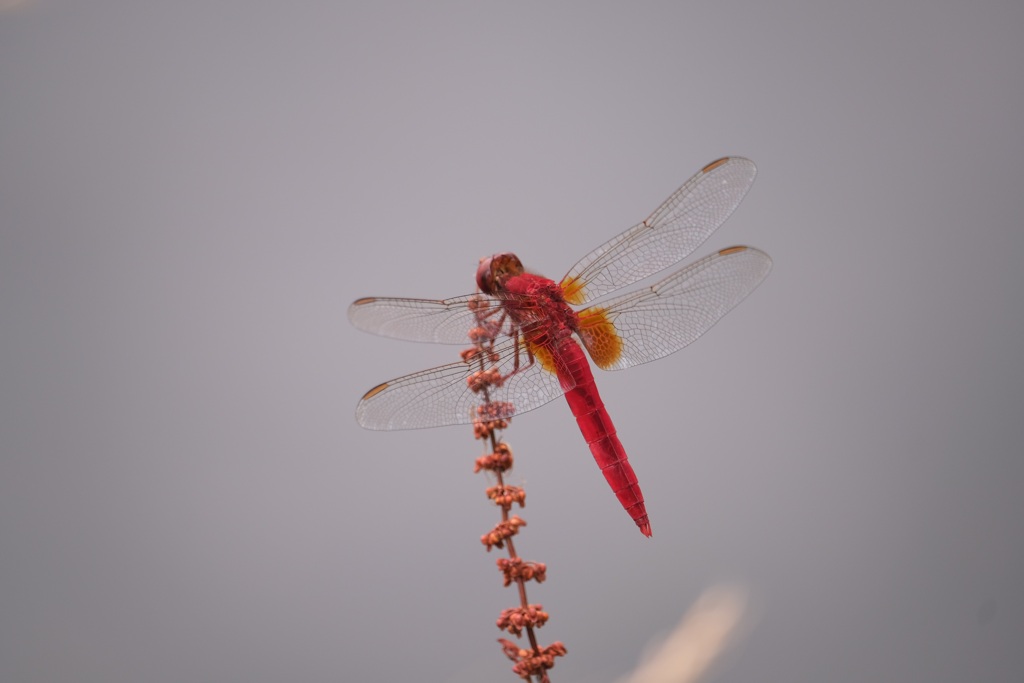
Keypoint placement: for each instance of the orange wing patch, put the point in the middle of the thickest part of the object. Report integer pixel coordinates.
(572, 290)
(600, 338)
(543, 355)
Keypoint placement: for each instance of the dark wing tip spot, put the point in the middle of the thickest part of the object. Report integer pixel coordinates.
(373, 392)
(715, 164)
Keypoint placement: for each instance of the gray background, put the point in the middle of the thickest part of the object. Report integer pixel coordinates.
(191, 193)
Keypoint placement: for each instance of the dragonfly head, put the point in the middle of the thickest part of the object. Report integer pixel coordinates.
(495, 270)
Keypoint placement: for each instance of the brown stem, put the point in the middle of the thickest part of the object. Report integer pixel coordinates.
(535, 663)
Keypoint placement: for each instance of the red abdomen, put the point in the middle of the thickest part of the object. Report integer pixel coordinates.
(597, 428)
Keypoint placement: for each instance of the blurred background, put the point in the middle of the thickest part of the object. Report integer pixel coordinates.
(192, 193)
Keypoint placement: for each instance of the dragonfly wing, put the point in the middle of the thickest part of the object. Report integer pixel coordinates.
(445, 321)
(651, 323)
(669, 235)
(441, 396)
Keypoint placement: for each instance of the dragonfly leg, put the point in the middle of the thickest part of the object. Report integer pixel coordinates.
(519, 348)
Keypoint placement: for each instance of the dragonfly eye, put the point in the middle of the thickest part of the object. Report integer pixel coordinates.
(492, 272)
(484, 280)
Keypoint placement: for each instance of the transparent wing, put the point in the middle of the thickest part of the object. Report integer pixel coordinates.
(651, 323)
(445, 321)
(441, 396)
(669, 235)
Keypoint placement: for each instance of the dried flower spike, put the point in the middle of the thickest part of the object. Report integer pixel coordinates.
(492, 417)
(503, 530)
(517, 568)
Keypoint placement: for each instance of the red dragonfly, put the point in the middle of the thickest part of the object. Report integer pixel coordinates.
(538, 332)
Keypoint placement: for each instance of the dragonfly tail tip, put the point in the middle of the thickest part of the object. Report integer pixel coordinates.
(645, 526)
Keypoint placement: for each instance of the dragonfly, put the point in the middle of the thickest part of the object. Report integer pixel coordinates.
(539, 329)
